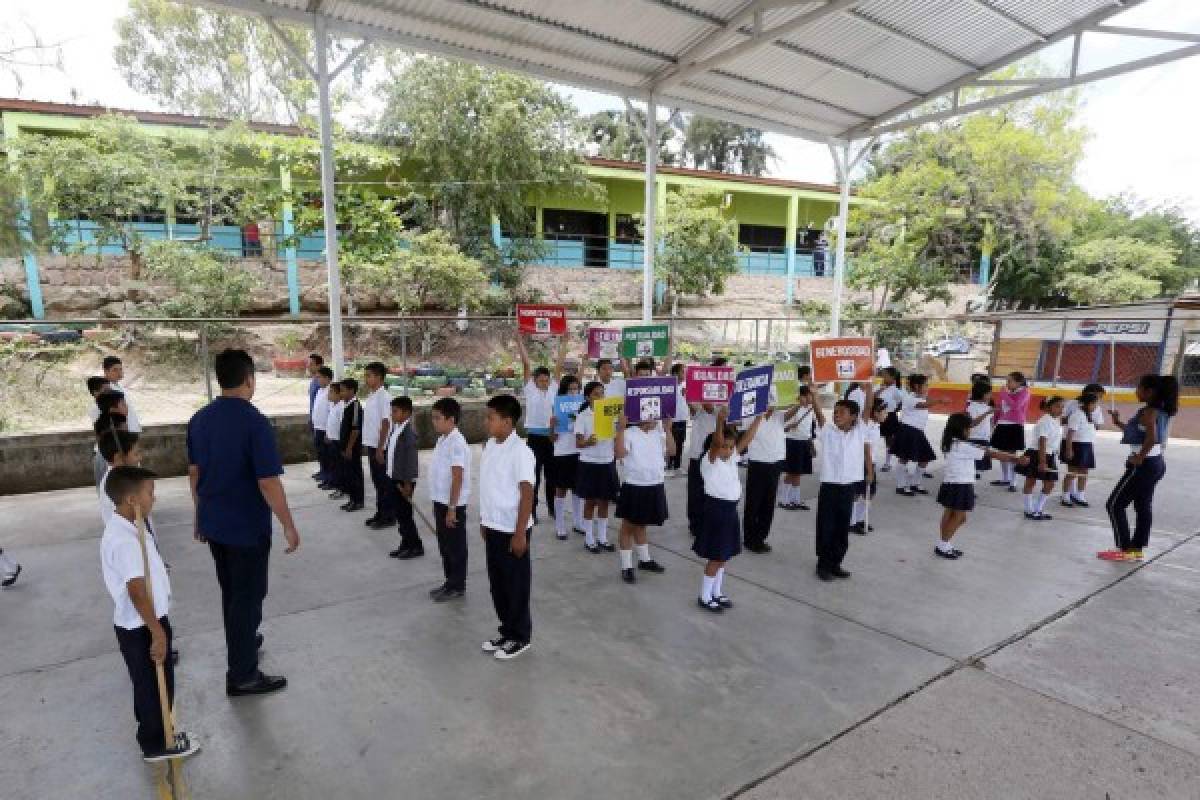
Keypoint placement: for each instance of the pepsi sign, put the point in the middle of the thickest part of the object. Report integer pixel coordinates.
(1112, 327)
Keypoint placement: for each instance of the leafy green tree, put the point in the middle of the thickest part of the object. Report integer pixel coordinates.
(217, 63)
(111, 174)
(1118, 270)
(700, 246)
(614, 135)
(204, 282)
(932, 195)
(726, 146)
(1167, 226)
(484, 142)
(430, 272)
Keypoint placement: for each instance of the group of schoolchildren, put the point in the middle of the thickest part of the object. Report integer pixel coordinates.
(780, 442)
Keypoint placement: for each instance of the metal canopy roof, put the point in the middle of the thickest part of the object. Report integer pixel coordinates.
(819, 69)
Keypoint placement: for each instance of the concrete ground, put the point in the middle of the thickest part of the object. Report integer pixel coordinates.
(1027, 669)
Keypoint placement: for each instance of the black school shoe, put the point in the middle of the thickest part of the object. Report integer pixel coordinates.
(861, 529)
(652, 566)
(408, 553)
(905, 492)
(11, 579)
(183, 747)
(919, 490)
(824, 575)
(380, 524)
(838, 572)
(949, 554)
(758, 548)
(999, 483)
(446, 595)
(352, 506)
(263, 684)
(628, 576)
(608, 548)
(512, 649)
(594, 549)
(712, 605)
(722, 601)
(337, 494)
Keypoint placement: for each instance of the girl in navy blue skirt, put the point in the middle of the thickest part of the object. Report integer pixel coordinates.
(910, 443)
(596, 474)
(957, 495)
(720, 536)
(1043, 463)
(1078, 453)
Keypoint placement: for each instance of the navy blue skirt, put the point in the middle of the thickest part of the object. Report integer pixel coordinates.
(799, 459)
(911, 444)
(1050, 473)
(563, 470)
(982, 464)
(957, 496)
(642, 505)
(1083, 456)
(1008, 437)
(720, 537)
(890, 425)
(596, 481)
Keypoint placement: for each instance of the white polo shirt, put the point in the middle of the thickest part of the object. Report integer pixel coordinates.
(800, 427)
(614, 388)
(911, 415)
(644, 451)
(121, 562)
(982, 431)
(769, 445)
(892, 396)
(681, 407)
(539, 408)
(960, 462)
(601, 452)
(703, 424)
(376, 409)
(107, 507)
(721, 478)
(394, 434)
(1050, 428)
(333, 424)
(503, 467)
(842, 453)
(132, 423)
(320, 410)
(1083, 426)
(450, 451)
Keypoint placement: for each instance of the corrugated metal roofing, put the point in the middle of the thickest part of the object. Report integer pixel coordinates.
(850, 65)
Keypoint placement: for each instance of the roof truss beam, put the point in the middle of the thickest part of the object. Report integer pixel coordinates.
(691, 64)
(1039, 88)
(1010, 18)
(1082, 26)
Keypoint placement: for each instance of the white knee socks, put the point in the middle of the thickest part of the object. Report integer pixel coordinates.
(717, 581)
(1041, 502)
(859, 514)
(914, 475)
(626, 559)
(7, 565)
(589, 536)
(601, 529)
(1008, 471)
(706, 588)
(560, 516)
(576, 511)
(902, 476)
(643, 552)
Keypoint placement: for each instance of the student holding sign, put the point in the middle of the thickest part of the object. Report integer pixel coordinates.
(643, 500)
(539, 413)
(705, 388)
(767, 453)
(845, 460)
(596, 478)
(565, 463)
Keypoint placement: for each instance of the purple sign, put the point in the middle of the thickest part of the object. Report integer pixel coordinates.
(649, 399)
(751, 393)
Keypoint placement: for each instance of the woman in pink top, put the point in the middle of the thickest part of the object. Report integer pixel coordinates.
(1012, 403)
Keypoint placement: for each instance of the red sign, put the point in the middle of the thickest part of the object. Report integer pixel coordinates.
(604, 343)
(843, 359)
(542, 319)
(708, 384)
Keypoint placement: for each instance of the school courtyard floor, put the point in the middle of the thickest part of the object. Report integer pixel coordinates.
(1027, 669)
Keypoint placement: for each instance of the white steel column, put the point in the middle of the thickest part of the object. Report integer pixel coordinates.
(650, 237)
(328, 197)
(841, 162)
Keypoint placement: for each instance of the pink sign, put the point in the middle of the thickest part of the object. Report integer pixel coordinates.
(604, 342)
(708, 384)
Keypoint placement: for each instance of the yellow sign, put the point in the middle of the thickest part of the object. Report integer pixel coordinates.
(608, 411)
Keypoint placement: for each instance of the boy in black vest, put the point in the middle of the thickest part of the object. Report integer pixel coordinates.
(350, 442)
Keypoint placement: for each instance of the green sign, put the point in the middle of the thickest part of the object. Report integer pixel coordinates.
(644, 341)
(785, 382)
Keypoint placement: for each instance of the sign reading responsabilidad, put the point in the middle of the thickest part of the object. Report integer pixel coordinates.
(644, 341)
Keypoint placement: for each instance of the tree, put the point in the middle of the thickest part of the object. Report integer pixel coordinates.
(932, 195)
(1118, 270)
(430, 272)
(204, 282)
(484, 142)
(726, 146)
(199, 61)
(1167, 226)
(613, 134)
(110, 175)
(22, 50)
(699, 246)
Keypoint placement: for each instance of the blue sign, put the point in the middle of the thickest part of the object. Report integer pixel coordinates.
(751, 393)
(566, 406)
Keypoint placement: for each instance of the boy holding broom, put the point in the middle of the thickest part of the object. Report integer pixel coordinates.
(140, 611)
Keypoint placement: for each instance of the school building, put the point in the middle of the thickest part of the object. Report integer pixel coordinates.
(781, 223)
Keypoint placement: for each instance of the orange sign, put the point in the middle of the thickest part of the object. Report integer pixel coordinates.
(843, 359)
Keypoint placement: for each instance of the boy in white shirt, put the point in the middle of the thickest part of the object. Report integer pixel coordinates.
(845, 460)
(140, 604)
(450, 489)
(375, 427)
(114, 373)
(765, 456)
(318, 417)
(506, 478)
(333, 428)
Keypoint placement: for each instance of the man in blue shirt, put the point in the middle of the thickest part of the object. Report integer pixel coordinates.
(234, 469)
